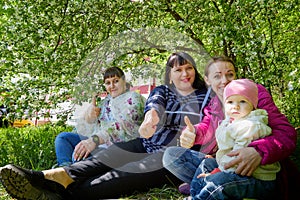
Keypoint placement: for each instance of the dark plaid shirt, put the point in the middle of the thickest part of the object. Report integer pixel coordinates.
(171, 108)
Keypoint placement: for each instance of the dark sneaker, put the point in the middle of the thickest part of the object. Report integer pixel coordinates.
(27, 184)
(184, 188)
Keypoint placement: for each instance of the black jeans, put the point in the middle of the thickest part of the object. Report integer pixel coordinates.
(117, 171)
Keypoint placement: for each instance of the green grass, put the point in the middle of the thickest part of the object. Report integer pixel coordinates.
(30, 147)
(3, 194)
(33, 147)
(153, 194)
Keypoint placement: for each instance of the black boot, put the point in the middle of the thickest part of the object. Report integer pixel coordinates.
(29, 185)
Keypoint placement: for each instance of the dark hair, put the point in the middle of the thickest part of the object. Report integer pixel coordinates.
(112, 72)
(216, 59)
(182, 58)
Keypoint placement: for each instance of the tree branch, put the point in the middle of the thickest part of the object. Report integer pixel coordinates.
(178, 18)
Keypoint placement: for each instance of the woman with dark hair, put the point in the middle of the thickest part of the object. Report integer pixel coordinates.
(124, 167)
(183, 162)
(116, 119)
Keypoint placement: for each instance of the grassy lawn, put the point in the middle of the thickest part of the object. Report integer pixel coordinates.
(3, 194)
(38, 143)
(154, 194)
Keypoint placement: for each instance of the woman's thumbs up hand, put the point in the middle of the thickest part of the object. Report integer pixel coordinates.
(92, 112)
(187, 137)
(148, 127)
(96, 110)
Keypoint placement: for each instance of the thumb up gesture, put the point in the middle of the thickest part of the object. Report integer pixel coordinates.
(93, 112)
(148, 127)
(96, 110)
(187, 137)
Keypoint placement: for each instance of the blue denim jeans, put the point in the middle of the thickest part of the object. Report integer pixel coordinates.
(65, 143)
(186, 163)
(182, 162)
(224, 185)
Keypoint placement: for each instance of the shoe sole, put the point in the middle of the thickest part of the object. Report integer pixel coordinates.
(18, 186)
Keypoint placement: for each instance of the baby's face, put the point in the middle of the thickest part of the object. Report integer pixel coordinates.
(237, 106)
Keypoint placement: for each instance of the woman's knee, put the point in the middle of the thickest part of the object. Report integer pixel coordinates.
(63, 136)
(60, 136)
(171, 154)
(168, 155)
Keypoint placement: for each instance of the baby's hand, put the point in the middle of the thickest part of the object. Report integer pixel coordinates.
(202, 175)
(216, 170)
(208, 156)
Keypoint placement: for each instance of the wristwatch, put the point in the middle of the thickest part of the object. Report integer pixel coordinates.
(96, 139)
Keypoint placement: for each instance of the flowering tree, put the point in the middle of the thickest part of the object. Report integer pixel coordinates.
(47, 46)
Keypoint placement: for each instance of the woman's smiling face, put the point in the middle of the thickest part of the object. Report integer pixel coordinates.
(183, 77)
(219, 75)
(115, 86)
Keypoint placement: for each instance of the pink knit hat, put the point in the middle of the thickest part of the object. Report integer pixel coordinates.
(244, 87)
